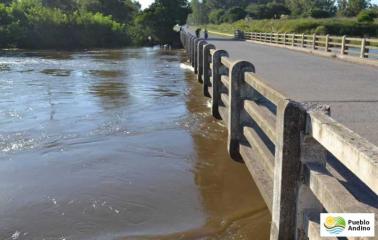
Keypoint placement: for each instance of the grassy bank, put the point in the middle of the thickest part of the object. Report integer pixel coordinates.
(333, 26)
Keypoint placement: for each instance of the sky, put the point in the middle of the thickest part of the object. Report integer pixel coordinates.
(146, 3)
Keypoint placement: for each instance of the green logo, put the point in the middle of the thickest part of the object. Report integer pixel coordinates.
(334, 225)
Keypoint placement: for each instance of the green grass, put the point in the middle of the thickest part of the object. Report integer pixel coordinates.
(333, 26)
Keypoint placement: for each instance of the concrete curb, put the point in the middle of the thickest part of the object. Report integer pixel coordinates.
(221, 34)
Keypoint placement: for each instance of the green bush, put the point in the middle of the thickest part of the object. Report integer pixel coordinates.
(366, 16)
(319, 13)
(27, 24)
(321, 30)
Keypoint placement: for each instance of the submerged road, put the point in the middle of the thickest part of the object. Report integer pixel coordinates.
(350, 89)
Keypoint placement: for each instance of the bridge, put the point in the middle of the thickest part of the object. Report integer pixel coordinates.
(277, 104)
(349, 89)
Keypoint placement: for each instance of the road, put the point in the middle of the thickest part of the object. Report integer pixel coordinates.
(350, 89)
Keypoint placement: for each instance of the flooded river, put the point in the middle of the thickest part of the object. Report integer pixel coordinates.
(116, 144)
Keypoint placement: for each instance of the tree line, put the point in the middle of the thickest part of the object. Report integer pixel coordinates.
(66, 24)
(228, 11)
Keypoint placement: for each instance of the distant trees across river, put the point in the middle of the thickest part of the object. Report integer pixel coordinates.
(70, 24)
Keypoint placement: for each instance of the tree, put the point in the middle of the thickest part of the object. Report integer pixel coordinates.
(158, 20)
(275, 10)
(257, 11)
(234, 14)
(65, 5)
(366, 16)
(120, 10)
(5, 2)
(341, 7)
(323, 9)
(267, 11)
(306, 8)
(199, 12)
(297, 7)
(227, 4)
(216, 16)
(350, 8)
(355, 6)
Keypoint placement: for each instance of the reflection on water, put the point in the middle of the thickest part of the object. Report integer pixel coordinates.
(4, 67)
(57, 72)
(116, 144)
(106, 73)
(112, 93)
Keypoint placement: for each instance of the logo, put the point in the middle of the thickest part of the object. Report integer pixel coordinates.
(347, 224)
(334, 225)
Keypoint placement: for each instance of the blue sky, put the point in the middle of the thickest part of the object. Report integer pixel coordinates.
(146, 3)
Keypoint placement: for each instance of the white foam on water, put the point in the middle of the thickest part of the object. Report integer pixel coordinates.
(208, 103)
(186, 66)
(16, 235)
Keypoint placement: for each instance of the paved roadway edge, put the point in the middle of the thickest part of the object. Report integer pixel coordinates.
(345, 58)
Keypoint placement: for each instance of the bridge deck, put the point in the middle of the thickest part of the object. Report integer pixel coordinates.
(350, 89)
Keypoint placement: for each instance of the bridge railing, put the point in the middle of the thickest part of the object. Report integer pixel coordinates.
(303, 162)
(342, 45)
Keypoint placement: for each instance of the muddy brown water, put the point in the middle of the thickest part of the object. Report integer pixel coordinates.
(116, 144)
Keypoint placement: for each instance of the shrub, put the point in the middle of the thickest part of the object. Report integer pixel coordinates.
(322, 30)
(366, 16)
(319, 13)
